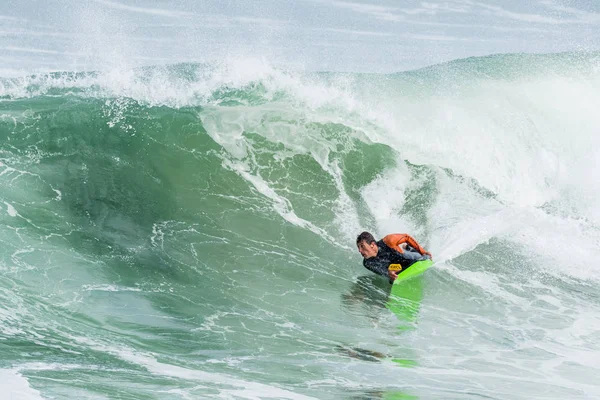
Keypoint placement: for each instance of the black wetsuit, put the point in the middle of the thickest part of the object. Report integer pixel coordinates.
(386, 256)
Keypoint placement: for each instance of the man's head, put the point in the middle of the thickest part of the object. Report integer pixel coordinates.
(367, 247)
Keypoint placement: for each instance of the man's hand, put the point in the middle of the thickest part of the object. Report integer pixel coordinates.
(393, 271)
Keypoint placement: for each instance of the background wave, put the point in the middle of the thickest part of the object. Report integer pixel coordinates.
(191, 230)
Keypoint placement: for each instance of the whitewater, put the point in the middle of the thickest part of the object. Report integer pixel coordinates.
(187, 231)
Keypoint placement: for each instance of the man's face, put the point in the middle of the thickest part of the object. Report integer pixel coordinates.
(367, 250)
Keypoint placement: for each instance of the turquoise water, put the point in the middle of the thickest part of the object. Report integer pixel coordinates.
(187, 232)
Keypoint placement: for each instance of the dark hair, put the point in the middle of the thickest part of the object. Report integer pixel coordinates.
(365, 236)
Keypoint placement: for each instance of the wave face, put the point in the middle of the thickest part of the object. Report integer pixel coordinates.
(188, 231)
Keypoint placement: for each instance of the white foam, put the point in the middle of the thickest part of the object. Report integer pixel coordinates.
(461, 219)
(109, 288)
(241, 388)
(563, 246)
(385, 197)
(16, 387)
(247, 390)
(11, 210)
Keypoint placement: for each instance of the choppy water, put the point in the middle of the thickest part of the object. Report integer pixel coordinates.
(187, 232)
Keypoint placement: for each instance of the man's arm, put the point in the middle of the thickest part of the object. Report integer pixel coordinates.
(396, 239)
(374, 266)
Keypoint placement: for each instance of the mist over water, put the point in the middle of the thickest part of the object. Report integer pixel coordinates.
(188, 231)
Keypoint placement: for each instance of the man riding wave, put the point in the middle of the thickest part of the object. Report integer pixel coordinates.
(397, 248)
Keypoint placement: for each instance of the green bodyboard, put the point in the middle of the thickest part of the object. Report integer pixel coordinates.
(407, 292)
(416, 269)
